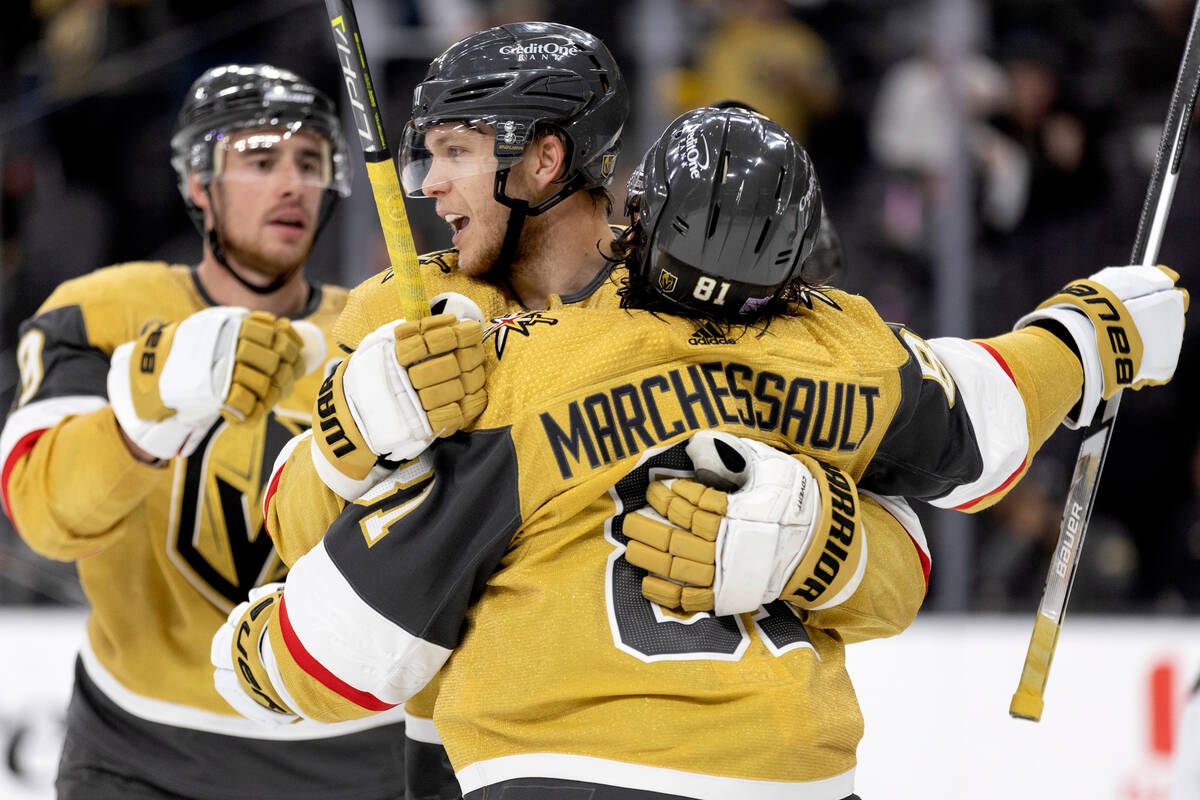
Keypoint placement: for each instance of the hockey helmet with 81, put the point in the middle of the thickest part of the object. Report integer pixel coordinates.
(728, 206)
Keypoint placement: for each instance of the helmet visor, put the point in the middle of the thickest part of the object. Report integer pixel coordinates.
(294, 153)
(457, 150)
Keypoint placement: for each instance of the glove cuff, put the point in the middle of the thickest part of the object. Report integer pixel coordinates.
(166, 439)
(831, 568)
(341, 484)
(196, 378)
(1083, 338)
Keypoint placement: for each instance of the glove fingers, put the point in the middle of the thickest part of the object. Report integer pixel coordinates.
(648, 558)
(260, 357)
(473, 381)
(258, 327)
(687, 571)
(693, 548)
(683, 513)
(241, 403)
(663, 592)
(410, 347)
(473, 405)
(445, 420)
(434, 371)
(694, 598)
(643, 529)
(250, 379)
(441, 395)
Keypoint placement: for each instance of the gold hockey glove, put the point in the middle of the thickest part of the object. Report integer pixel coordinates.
(170, 385)
(789, 527)
(241, 659)
(1126, 326)
(406, 384)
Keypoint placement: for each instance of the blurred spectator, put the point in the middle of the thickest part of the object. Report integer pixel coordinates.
(1016, 547)
(756, 52)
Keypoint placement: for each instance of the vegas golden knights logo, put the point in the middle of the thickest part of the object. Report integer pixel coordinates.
(607, 163)
(218, 541)
(667, 282)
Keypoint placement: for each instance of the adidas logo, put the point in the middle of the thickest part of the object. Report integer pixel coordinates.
(709, 333)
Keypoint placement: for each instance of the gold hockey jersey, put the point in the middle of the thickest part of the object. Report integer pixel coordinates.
(297, 500)
(163, 554)
(499, 553)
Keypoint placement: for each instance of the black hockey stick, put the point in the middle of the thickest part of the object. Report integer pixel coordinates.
(1028, 700)
(381, 170)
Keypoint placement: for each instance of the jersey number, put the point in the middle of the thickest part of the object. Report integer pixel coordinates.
(641, 628)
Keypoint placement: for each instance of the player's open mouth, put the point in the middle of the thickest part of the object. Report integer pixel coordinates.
(289, 220)
(458, 223)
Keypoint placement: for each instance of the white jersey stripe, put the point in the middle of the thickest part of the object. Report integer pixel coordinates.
(651, 779)
(165, 712)
(997, 414)
(352, 640)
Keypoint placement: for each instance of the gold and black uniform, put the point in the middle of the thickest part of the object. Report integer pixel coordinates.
(496, 558)
(164, 554)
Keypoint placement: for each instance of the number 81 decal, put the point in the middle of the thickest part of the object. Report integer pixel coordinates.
(641, 628)
(705, 287)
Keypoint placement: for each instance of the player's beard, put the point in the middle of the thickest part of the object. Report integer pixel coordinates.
(248, 257)
(527, 246)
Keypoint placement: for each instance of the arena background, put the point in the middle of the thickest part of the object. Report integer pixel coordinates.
(974, 156)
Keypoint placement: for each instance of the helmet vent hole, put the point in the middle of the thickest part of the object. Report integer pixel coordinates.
(762, 237)
(474, 91)
(680, 224)
(784, 257)
(724, 166)
(779, 184)
(712, 220)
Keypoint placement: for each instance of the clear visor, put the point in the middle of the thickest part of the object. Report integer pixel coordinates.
(445, 152)
(295, 154)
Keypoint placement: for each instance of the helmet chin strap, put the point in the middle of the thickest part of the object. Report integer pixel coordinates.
(518, 211)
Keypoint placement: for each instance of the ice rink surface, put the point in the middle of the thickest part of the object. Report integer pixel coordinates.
(935, 701)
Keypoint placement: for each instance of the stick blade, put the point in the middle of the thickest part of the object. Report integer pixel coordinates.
(1026, 705)
(1027, 701)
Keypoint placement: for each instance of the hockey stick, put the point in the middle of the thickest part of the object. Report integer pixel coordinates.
(381, 170)
(1027, 701)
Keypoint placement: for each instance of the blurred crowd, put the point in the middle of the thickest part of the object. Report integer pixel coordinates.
(1047, 113)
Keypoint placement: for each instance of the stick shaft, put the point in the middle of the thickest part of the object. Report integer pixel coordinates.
(381, 169)
(1027, 701)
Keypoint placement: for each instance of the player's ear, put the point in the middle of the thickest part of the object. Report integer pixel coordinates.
(196, 192)
(546, 157)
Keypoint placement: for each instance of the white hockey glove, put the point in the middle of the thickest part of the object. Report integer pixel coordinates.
(1126, 325)
(406, 384)
(788, 527)
(169, 386)
(241, 657)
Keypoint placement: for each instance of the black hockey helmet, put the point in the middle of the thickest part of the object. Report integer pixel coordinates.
(729, 208)
(513, 78)
(234, 97)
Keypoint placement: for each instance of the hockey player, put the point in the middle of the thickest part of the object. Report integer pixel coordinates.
(154, 399)
(523, 528)
(528, 117)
